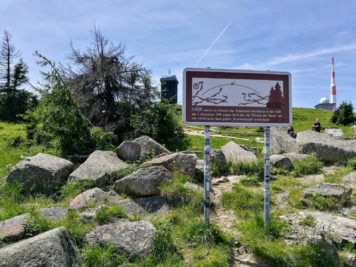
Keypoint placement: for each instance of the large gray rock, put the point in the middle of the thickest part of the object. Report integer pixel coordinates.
(53, 248)
(88, 197)
(133, 238)
(99, 166)
(183, 163)
(335, 132)
(54, 213)
(326, 147)
(338, 194)
(234, 153)
(217, 156)
(296, 156)
(150, 146)
(144, 205)
(129, 151)
(311, 223)
(41, 173)
(350, 180)
(281, 161)
(281, 142)
(13, 229)
(144, 182)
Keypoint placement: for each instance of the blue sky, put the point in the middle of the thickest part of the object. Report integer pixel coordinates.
(278, 35)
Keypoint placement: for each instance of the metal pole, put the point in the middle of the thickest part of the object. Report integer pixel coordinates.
(206, 174)
(267, 177)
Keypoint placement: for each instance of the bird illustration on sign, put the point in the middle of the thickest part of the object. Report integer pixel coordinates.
(229, 93)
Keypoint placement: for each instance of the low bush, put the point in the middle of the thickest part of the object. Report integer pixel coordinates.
(248, 168)
(103, 140)
(351, 163)
(310, 166)
(177, 194)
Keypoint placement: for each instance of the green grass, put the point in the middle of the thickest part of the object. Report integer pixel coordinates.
(310, 166)
(14, 147)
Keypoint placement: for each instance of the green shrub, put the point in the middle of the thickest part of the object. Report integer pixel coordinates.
(177, 194)
(109, 214)
(310, 166)
(344, 114)
(57, 118)
(250, 181)
(218, 169)
(160, 122)
(36, 224)
(105, 256)
(351, 163)
(248, 168)
(102, 140)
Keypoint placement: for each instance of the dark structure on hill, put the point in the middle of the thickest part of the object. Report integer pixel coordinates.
(169, 87)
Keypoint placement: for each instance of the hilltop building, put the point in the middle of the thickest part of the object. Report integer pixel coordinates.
(325, 104)
(169, 87)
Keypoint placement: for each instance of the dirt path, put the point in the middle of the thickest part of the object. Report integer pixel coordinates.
(226, 220)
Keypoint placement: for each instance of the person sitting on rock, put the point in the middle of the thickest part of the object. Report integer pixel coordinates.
(316, 126)
(291, 132)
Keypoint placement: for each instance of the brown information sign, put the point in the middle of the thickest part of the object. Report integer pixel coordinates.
(236, 98)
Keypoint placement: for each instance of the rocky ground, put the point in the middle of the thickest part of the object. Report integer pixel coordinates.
(124, 201)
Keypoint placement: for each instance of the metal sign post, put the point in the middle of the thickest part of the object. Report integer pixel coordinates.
(206, 174)
(267, 177)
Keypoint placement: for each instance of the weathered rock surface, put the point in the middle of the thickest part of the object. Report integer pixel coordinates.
(326, 147)
(199, 165)
(335, 133)
(90, 214)
(90, 196)
(339, 194)
(281, 161)
(340, 229)
(53, 248)
(133, 238)
(234, 153)
(54, 213)
(129, 151)
(217, 156)
(144, 182)
(281, 142)
(13, 229)
(41, 173)
(350, 180)
(144, 205)
(98, 167)
(184, 163)
(150, 146)
(296, 157)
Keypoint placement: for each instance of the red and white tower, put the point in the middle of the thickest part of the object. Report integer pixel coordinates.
(333, 86)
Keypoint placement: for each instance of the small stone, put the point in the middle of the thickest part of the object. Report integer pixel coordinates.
(88, 197)
(13, 229)
(129, 151)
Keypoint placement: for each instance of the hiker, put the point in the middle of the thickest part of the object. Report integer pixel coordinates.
(316, 126)
(354, 128)
(291, 132)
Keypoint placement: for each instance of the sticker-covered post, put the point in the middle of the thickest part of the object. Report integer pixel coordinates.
(267, 177)
(206, 174)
